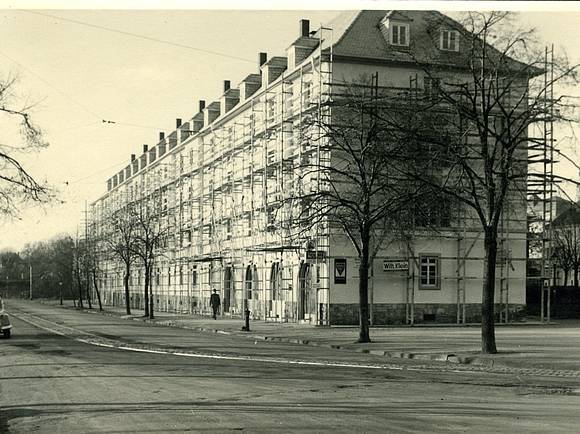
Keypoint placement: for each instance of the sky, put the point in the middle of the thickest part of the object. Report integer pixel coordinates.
(142, 68)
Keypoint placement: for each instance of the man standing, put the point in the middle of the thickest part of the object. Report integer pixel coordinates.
(215, 303)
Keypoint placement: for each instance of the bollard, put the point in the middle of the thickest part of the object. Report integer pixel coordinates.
(246, 328)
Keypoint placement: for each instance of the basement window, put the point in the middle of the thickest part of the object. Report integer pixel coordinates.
(430, 272)
(449, 40)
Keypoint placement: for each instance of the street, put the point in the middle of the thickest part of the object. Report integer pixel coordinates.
(72, 372)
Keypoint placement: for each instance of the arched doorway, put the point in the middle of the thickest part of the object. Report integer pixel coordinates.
(304, 293)
(251, 293)
(275, 303)
(275, 280)
(228, 289)
(249, 282)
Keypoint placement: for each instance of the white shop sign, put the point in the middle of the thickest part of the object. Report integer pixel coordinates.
(395, 265)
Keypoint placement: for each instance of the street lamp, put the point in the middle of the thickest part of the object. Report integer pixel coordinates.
(60, 291)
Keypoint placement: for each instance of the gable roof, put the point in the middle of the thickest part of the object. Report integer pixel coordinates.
(357, 34)
(569, 214)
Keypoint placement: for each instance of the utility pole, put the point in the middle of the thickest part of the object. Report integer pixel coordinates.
(30, 278)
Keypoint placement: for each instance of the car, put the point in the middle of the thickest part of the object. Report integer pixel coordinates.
(5, 326)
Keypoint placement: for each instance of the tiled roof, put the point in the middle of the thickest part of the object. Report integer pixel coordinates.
(357, 34)
(570, 214)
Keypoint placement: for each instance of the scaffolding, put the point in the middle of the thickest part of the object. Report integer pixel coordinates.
(541, 184)
(229, 217)
(226, 204)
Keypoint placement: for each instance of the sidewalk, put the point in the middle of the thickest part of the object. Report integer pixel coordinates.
(554, 347)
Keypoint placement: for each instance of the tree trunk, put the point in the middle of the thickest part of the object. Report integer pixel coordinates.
(576, 277)
(97, 291)
(149, 286)
(487, 303)
(89, 290)
(565, 277)
(363, 289)
(80, 285)
(126, 284)
(146, 297)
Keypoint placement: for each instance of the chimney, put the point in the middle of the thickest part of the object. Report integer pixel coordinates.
(132, 157)
(263, 58)
(304, 28)
(177, 123)
(161, 136)
(145, 148)
(226, 85)
(201, 105)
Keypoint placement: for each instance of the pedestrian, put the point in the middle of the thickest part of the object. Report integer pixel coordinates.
(215, 303)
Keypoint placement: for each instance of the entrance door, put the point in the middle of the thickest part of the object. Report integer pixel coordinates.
(304, 291)
(228, 289)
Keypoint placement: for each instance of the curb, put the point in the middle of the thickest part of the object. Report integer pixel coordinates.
(437, 357)
(450, 358)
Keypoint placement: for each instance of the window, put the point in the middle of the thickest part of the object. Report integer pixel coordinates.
(400, 34)
(194, 276)
(431, 86)
(430, 278)
(449, 40)
(228, 228)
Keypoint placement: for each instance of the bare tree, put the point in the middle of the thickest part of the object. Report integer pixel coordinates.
(79, 268)
(52, 265)
(93, 253)
(151, 231)
(19, 135)
(119, 244)
(346, 181)
(473, 121)
(566, 251)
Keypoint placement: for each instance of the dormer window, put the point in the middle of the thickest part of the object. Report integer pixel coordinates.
(395, 28)
(399, 34)
(449, 40)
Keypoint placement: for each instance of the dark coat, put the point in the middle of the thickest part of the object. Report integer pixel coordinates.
(214, 300)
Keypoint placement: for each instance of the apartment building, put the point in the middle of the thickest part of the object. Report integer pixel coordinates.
(217, 180)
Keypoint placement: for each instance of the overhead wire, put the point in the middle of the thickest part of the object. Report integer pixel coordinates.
(98, 172)
(136, 35)
(100, 118)
(67, 96)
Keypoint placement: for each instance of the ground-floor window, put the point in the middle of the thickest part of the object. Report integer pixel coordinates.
(430, 272)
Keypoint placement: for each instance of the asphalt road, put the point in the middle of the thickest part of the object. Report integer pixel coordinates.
(63, 372)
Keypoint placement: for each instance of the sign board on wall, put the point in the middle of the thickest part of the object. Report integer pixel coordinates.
(395, 265)
(340, 270)
(312, 255)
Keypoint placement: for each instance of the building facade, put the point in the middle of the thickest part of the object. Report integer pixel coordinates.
(216, 183)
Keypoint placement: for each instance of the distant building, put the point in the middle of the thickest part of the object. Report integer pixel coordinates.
(217, 179)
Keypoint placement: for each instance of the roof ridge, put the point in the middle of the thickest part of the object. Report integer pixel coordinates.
(349, 27)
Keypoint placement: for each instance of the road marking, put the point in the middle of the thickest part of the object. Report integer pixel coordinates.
(116, 344)
(125, 347)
